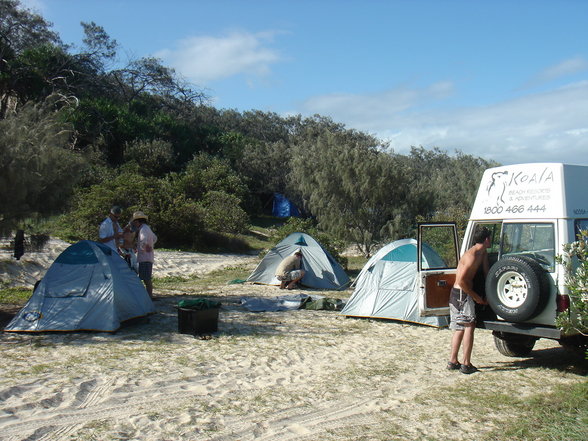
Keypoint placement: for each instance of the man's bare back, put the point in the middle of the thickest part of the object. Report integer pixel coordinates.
(468, 267)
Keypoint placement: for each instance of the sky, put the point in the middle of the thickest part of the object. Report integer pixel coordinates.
(502, 80)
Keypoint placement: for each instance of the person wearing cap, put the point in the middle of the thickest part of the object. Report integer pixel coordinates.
(289, 272)
(146, 239)
(110, 231)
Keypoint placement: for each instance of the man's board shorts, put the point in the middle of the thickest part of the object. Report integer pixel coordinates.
(462, 309)
(145, 270)
(292, 275)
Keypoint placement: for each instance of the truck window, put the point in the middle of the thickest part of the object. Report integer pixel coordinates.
(438, 240)
(536, 240)
(495, 229)
(581, 228)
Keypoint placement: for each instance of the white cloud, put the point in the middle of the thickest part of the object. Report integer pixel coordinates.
(371, 111)
(565, 68)
(549, 126)
(205, 59)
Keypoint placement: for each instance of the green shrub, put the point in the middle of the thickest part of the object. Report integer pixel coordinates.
(181, 224)
(575, 259)
(154, 157)
(223, 214)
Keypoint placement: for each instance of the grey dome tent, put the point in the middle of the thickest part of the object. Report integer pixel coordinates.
(89, 287)
(322, 270)
(387, 286)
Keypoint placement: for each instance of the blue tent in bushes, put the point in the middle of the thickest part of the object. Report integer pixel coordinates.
(283, 207)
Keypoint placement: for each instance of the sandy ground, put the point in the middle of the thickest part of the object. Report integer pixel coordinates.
(295, 375)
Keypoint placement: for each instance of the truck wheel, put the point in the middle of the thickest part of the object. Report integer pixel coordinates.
(517, 288)
(513, 345)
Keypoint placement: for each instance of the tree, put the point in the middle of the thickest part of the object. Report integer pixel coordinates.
(154, 158)
(207, 173)
(20, 30)
(357, 192)
(221, 213)
(575, 259)
(38, 169)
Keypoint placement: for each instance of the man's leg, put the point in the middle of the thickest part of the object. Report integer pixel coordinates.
(149, 287)
(293, 283)
(468, 343)
(455, 344)
(145, 274)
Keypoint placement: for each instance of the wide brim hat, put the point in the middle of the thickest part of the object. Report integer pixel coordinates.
(139, 215)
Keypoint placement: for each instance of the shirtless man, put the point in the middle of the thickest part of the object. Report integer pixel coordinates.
(288, 271)
(462, 308)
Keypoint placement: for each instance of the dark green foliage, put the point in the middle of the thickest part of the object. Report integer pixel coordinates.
(129, 190)
(206, 173)
(223, 214)
(266, 164)
(438, 182)
(21, 29)
(181, 224)
(154, 157)
(37, 168)
(357, 193)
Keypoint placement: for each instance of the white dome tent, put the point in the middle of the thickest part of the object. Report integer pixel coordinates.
(387, 286)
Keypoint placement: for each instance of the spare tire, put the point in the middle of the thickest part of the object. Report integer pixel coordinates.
(517, 288)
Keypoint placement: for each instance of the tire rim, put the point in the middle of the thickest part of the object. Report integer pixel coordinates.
(512, 290)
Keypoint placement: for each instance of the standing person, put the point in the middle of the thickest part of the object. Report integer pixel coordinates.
(145, 255)
(462, 300)
(110, 231)
(289, 270)
(128, 245)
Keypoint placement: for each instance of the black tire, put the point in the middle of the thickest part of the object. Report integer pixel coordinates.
(513, 345)
(517, 288)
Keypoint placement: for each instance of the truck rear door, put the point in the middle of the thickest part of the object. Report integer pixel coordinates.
(438, 255)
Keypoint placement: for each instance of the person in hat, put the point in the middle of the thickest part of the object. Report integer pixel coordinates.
(110, 231)
(146, 239)
(288, 271)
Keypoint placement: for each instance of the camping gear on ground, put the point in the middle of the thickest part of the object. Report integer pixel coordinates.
(278, 303)
(290, 303)
(198, 316)
(89, 287)
(321, 270)
(387, 286)
(324, 303)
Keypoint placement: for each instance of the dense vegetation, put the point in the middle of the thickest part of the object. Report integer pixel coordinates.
(80, 131)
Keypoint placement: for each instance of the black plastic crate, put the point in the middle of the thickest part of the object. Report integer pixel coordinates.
(197, 321)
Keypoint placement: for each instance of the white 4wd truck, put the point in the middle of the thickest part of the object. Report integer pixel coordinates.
(532, 210)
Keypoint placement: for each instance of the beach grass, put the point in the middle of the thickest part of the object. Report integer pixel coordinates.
(14, 296)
